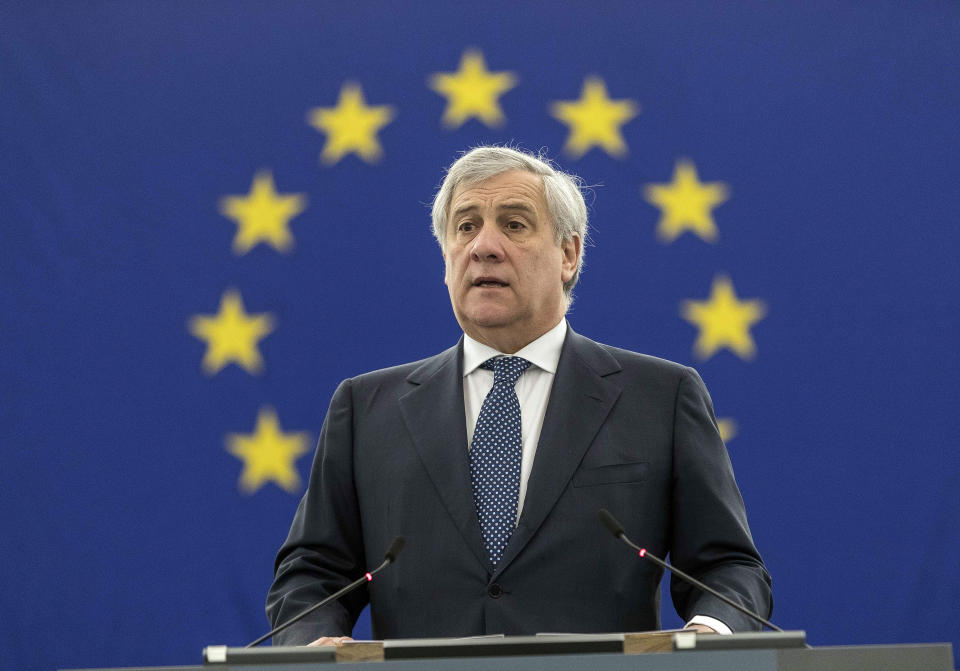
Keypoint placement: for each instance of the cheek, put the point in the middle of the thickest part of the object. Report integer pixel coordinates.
(545, 268)
(446, 268)
(451, 271)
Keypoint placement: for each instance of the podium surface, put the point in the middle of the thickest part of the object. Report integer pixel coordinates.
(654, 651)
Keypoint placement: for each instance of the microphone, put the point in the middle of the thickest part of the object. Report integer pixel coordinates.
(610, 522)
(391, 555)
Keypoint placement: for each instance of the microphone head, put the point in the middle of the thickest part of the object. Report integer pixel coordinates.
(610, 523)
(395, 548)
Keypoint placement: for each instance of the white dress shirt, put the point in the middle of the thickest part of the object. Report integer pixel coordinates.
(533, 392)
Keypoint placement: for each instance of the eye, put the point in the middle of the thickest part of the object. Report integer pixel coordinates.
(516, 225)
(466, 227)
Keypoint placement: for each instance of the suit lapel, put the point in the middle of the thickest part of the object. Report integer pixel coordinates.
(434, 415)
(581, 398)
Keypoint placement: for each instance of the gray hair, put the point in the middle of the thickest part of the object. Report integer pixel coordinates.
(562, 191)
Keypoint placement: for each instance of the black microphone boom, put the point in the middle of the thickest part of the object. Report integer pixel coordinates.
(616, 529)
(391, 555)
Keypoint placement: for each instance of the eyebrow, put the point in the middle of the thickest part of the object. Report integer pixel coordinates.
(517, 205)
(510, 205)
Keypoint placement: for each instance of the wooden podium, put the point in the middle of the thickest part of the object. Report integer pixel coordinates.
(649, 651)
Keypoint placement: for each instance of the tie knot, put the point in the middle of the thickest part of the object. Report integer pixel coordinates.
(506, 369)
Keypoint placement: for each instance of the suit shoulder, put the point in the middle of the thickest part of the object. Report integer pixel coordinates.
(636, 362)
(647, 361)
(405, 371)
(400, 371)
(652, 374)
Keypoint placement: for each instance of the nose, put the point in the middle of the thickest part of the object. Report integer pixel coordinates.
(488, 243)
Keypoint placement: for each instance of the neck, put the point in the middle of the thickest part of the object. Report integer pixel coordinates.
(507, 341)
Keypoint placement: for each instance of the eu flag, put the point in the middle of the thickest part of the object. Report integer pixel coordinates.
(214, 212)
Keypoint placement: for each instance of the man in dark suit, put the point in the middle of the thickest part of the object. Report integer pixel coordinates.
(493, 458)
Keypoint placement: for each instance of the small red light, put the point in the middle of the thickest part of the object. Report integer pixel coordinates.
(369, 577)
(643, 551)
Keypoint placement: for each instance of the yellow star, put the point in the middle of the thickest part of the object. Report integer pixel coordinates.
(595, 120)
(472, 91)
(268, 454)
(686, 203)
(728, 429)
(351, 126)
(231, 335)
(723, 321)
(262, 215)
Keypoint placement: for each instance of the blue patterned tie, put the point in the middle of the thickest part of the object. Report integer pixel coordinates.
(495, 455)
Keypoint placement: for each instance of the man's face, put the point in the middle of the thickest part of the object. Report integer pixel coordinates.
(504, 269)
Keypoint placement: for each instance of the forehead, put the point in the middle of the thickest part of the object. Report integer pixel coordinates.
(513, 187)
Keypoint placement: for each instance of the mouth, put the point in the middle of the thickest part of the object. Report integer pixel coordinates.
(489, 283)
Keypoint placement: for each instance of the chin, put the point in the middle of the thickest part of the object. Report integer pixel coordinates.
(489, 319)
(489, 316)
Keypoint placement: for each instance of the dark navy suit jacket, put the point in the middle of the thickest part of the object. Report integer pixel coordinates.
(622, 431)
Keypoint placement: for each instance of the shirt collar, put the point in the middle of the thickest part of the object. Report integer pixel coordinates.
(544, 352)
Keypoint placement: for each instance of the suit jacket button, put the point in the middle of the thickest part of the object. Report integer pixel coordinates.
(495, 591)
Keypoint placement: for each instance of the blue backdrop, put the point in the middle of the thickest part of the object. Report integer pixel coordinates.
(213, 212)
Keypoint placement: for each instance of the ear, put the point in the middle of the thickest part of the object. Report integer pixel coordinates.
(446, 267)
(571, 249)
